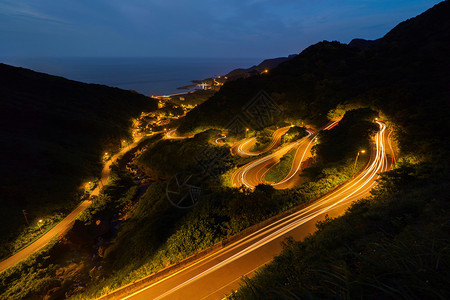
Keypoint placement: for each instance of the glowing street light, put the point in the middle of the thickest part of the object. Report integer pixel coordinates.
(246, 132)
(356, 160)
(39, 224)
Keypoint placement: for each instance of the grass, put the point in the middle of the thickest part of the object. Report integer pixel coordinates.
(282, 168)
(30, 276)
(33, 232)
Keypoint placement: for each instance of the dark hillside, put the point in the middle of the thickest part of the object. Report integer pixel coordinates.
(53, 132)
(266, 64)
(394, 243)
(362, 43)
(404, 74)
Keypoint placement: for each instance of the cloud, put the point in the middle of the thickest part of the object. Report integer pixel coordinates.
(196, 27)
(23, 9)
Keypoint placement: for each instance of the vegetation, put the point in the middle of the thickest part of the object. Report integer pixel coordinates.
(282, 168)
(35, 231)
(196, 155)
(349, 137)
(294, 133)
(393, 244)
(53, 134)
(32, 276)
(64, 266)
(403, 75)
(157, 234)
(263, 138)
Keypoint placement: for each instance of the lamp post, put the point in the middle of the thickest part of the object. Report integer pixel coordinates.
(246, 132)
(356, 160)
(25, 216)
(39, 224)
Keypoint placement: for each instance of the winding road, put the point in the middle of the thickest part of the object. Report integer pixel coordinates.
(253, 173)
(219, 272)
(242, 148)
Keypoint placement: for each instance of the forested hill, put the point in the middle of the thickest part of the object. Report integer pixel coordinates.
(394, 243)
(53, 132)
(404, 75)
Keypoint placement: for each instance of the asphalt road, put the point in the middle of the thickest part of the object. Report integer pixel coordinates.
(217, 274)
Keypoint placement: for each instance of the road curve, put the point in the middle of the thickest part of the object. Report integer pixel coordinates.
(66, 223)
(253, 173)
(242, 148)
(218, 273)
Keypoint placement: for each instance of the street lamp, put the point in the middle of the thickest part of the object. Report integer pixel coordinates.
(39, 224)
(246, 132)
(356, 160)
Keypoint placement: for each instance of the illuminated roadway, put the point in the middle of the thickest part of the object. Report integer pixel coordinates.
(218, 273)
(253, 173)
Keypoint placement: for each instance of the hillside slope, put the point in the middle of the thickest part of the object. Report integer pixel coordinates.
(404, 75)
(53, 132)
(393, 244)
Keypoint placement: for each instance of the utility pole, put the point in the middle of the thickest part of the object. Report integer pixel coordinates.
(40, 228)
(356, 160)
(25, 216)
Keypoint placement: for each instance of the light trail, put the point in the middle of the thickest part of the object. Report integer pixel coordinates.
(276, 138)
(244, 249)
(288, 177)
(239, 175)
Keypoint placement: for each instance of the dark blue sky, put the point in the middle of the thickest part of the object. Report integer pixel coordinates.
(196, 28)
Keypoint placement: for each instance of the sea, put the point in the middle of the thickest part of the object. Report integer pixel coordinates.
(148, 76)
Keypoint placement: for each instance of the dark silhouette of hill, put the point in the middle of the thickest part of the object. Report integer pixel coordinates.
(267, 64)
(53, 132)
(404, 75)
(362, 43)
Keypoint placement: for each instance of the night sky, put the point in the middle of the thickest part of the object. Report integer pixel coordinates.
(196, 28)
